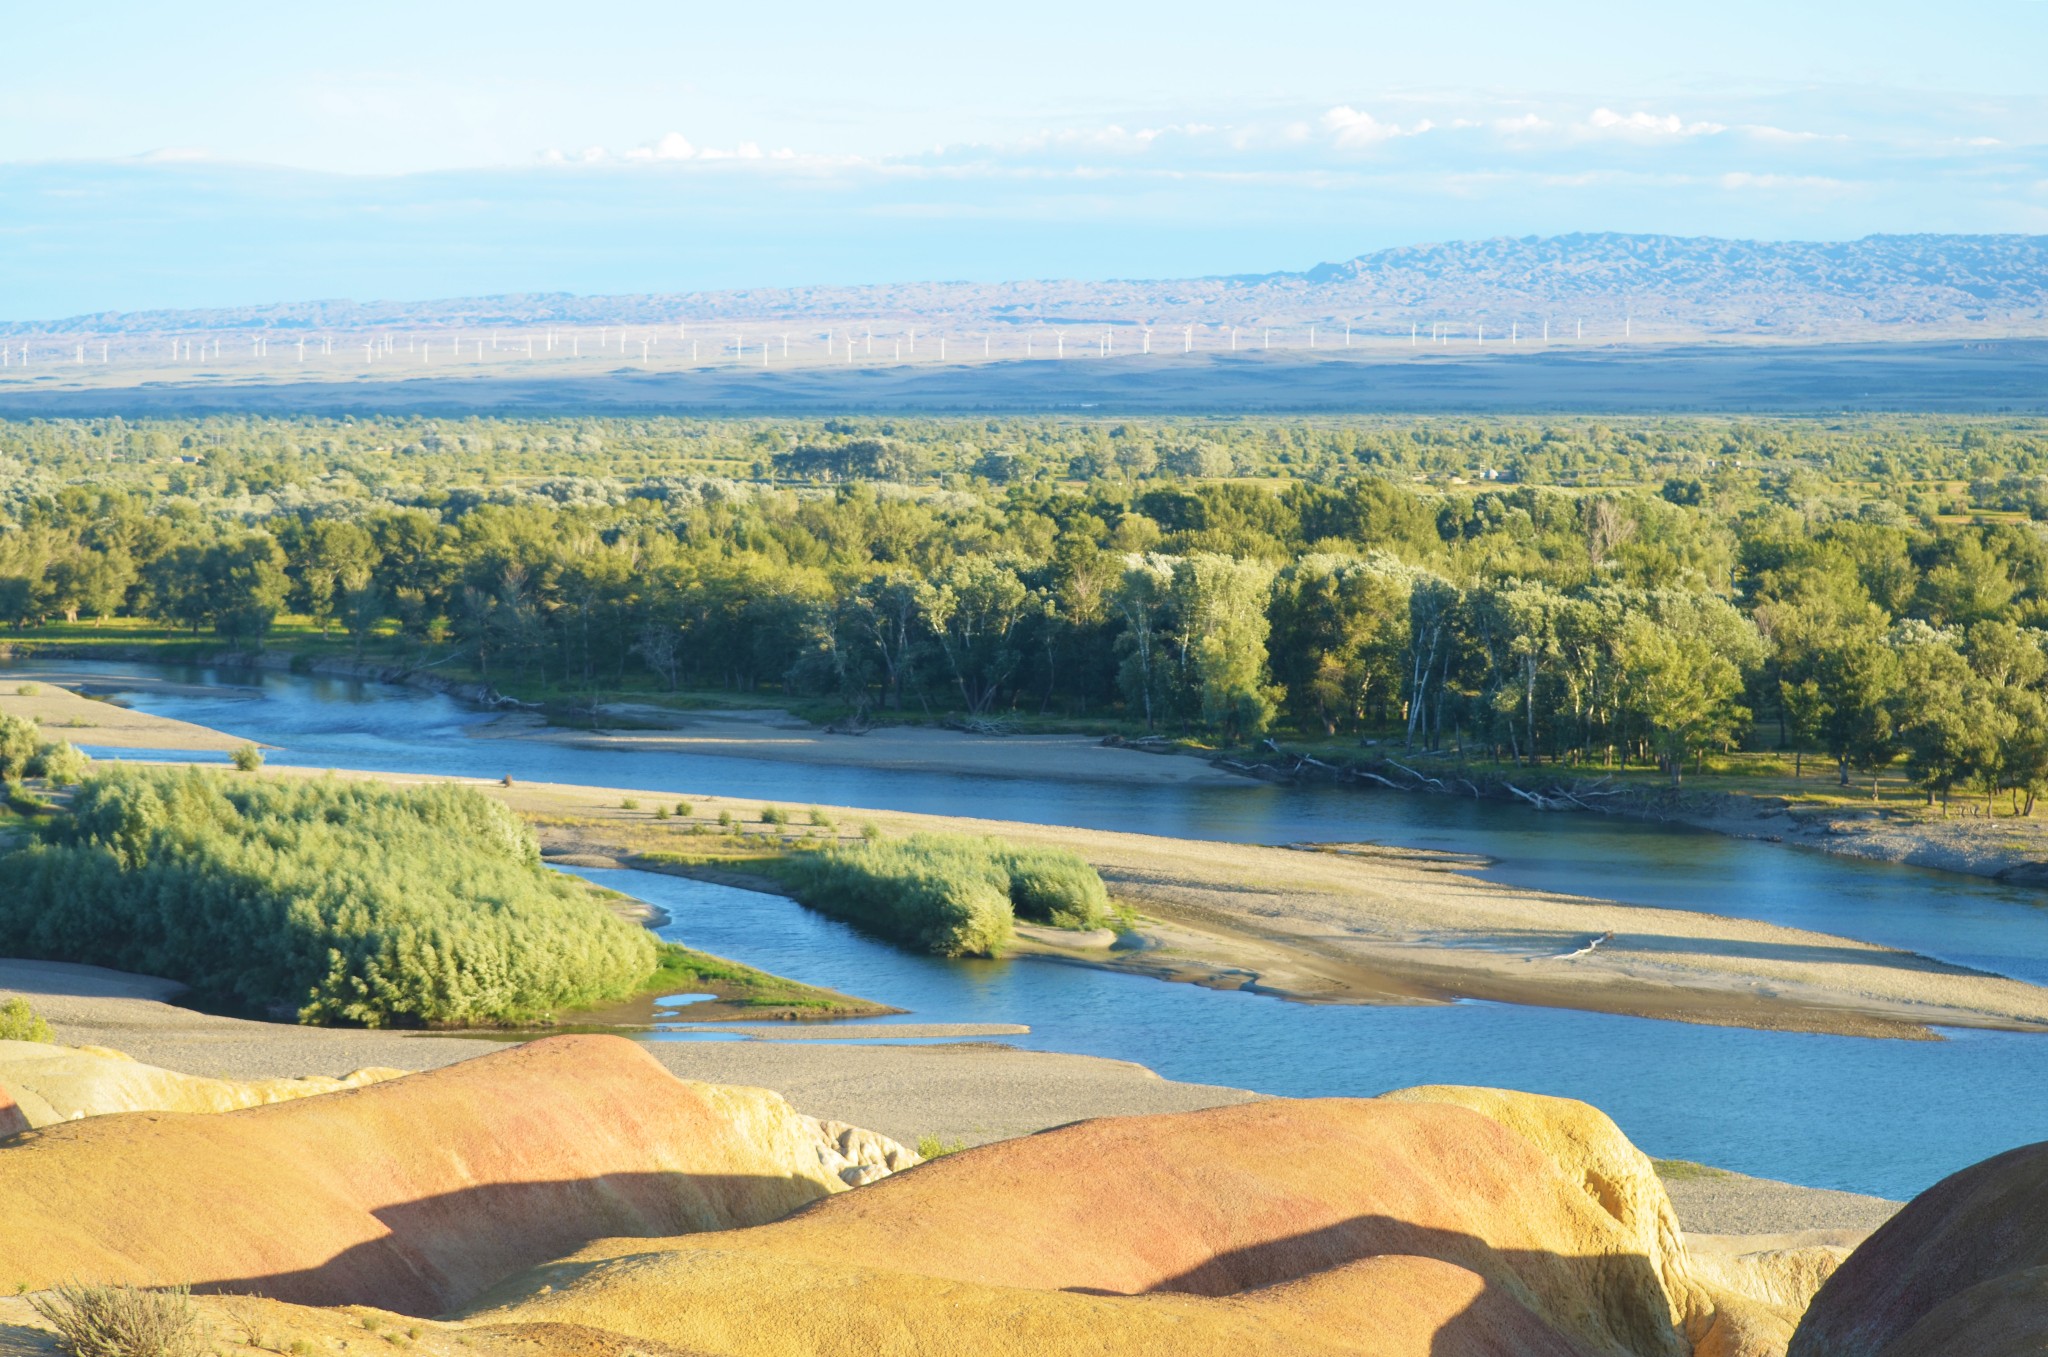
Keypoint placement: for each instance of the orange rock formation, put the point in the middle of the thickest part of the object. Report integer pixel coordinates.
(414, 1194)
(1962, 1271)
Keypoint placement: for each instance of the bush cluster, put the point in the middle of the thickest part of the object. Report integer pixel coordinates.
(24, 753)
(341, 902)
(20, 1022)
(951, 895)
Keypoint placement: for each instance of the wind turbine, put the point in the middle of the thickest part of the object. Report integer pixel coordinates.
(1311, 336)
(1187, 340)
(1148, 342)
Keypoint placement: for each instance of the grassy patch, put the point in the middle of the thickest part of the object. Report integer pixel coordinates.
(947, 894)
(1685, 1171)
(120, 1321)
(933, 1147)
(682, 969)
(334, 901)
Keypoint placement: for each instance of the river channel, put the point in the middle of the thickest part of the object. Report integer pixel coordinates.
(1888, 1117)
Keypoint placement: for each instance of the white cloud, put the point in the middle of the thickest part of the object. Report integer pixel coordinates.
(1353, 128)
(673, 146)
(1640, 124)
(1803, 183)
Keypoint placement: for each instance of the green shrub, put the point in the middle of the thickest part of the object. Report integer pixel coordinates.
(61, 763)
(22, 801)
(870, 831)
(1053, 886)
(952, 895)
(338, 901)
(246, 757)
(630, 803)
(120, 1321)
(18, 743)
(774, 815)
(27, 689)
(932, 893)
(822, 820)
(661, 812)
(19, 1022)
(932, 1147)
(725, 819)
(684, 809)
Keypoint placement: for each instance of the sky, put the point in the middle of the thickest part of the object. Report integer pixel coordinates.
(159, 155)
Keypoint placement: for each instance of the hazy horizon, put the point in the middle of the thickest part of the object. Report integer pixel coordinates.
(391, 154)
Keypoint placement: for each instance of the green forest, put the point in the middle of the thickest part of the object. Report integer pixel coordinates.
(1586, 593)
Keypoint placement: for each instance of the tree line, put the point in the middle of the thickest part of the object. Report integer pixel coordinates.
(1651, 623)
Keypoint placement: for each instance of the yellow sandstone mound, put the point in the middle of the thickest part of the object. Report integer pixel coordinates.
(1440, 1223)
(1962, 1271)
(413, 1194)
(50, 1084)
(573, 1199)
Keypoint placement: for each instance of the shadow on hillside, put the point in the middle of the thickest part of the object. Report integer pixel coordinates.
(442, 1252)
(1620, 1296)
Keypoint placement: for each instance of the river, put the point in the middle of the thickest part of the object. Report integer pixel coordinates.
(1887, 1117)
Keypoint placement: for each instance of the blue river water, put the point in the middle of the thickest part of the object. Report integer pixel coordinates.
(1888, 1117)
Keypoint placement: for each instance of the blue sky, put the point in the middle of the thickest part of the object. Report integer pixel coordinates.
(155, 155)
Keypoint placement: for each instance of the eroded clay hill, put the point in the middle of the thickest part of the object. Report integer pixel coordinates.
(47, 1084)
(570, 1198)
(414, 1194)
(1962, 1271)
(1441, 1223)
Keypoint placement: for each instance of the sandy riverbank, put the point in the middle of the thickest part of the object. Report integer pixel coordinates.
(1367, 924)
(1362, 924)
(783, 738)
(968, 1092)
(64, 715)
(2003, 848)
(1374, 925)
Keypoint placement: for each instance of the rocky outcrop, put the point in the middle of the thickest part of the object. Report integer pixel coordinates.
(1438, 1223)
(413, 1194)
(51, 1084)
(1962, 1271)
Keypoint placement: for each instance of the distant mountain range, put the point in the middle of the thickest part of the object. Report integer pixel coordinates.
(1916, 286)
